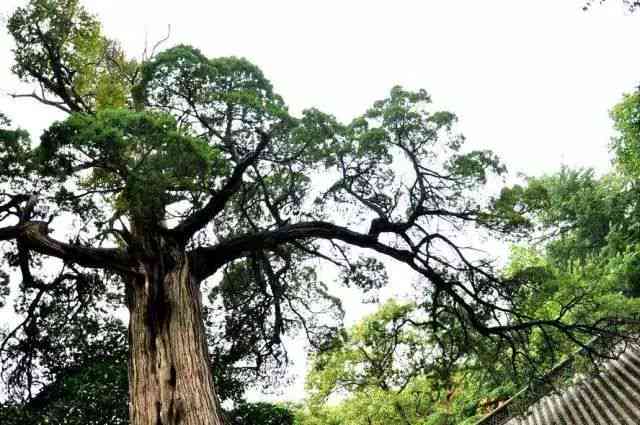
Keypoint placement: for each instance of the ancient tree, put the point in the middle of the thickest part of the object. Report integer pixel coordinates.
(178, 168)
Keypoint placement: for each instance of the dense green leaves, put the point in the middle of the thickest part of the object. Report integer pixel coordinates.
(94, 393)
(139, 159)
(261, 414)
(626, 145)
(385, 370)
(585, 221)
(60, 46)
(15, 149)
(584, 263)
(228, 97)
(367, 356)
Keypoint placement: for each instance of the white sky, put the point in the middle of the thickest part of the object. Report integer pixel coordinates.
(531, 79)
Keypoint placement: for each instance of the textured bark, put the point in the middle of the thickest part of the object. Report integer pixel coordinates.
(170, 379)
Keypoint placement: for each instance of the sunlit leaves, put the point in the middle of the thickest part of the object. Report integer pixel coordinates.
(626, 116)
(587, 267)
(261, 414)
(60, 46)
(382, 373)
(369, 355)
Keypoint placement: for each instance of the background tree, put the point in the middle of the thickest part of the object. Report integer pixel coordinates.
(170, 173)
(586, 226)
(388, 369)
(584, 244)
(94, 392)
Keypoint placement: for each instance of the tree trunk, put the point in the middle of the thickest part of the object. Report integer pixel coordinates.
(170, 379)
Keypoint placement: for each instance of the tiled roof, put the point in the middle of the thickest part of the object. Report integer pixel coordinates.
(610, 397)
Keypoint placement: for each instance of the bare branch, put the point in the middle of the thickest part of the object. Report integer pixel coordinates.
(34, 235)
(60, 105)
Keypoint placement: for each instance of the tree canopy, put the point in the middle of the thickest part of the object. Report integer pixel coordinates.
(387, 370)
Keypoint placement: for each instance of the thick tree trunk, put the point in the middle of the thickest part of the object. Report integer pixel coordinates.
(170, 379)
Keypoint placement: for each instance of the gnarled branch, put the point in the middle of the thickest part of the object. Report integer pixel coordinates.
(34, 235)
(218, 201)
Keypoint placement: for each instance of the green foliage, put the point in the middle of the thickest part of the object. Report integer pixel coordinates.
(587, 223)
(595, 289)
(366, 273)
(60, 46)
(95, 393)
(384, 371)
(140, 159)
(261, 414)
(626, 116)
(82, 371)
(227, 96)
(590, 232)
(357, 359)
(15, 150)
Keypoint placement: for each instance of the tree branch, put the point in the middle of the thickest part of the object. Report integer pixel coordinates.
(33, 235)
(60, 105)
(209, 259)
(216, 204)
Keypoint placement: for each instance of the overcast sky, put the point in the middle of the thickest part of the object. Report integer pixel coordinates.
(531, 79)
